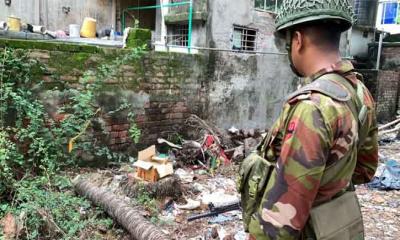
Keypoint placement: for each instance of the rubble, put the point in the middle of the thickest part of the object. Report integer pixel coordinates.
(195, 184)
(381, 208)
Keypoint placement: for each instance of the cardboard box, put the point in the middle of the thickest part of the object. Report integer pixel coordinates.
(150, 167)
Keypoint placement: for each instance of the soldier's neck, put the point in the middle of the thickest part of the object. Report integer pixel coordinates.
(319, 61)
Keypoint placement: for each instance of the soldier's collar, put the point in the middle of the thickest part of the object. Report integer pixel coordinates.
(341, 67)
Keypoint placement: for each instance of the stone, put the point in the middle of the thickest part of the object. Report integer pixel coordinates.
(214, 233)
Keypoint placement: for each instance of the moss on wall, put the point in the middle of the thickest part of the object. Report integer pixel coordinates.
(138, 37)
(49, 45)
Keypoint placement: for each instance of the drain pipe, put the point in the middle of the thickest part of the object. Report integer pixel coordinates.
(378, 60)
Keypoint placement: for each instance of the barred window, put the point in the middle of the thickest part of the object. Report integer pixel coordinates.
(179, 36)
(268, 5)
(244, 39)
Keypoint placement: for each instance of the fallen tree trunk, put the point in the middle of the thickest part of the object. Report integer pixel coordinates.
(130, 218)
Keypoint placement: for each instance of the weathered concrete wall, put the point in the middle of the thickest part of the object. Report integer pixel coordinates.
(49, 12)
(28, 11)
(360, 38)
(247, 90)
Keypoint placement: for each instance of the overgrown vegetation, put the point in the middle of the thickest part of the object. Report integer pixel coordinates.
(35, 146)
(148, 202)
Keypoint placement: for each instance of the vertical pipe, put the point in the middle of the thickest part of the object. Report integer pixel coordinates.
(114, 15)
(378, 60)
(348, 42)
(123, 21)
(190, 25)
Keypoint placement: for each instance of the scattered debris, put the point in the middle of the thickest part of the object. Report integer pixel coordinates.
(172, 145)
(190, 205)
(389, 179)
(195, 184)
(185, 176)
(383, 130)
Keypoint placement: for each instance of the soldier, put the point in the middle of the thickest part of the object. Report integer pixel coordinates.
(324, 141)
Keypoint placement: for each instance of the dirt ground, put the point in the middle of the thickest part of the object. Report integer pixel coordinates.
(381, 209)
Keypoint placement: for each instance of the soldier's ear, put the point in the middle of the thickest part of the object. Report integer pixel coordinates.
(297, 41)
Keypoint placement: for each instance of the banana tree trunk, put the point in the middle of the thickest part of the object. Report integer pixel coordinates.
(130, 218)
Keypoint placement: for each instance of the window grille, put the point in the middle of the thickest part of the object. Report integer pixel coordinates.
(268, 5)
(179, 36)
(244, 39)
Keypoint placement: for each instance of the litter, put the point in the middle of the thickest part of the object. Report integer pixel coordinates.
(241, 235)
(218, 198)
(389, 179)
(184, 175)
(161, 141)
(190, 205)
(220, 219)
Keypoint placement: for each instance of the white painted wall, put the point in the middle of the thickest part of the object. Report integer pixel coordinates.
(359, 43)
(49, 12)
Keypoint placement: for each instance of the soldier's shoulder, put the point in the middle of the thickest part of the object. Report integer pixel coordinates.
(324, 88)
(329, 105)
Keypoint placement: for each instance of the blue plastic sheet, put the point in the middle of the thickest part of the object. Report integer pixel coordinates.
(390, 177)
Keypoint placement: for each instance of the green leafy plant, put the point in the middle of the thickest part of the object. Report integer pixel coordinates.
(48, 212)
(134, 131)
(149, 203)
(34, 147)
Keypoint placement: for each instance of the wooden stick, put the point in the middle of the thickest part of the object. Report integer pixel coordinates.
(389, 131)
(389, 124)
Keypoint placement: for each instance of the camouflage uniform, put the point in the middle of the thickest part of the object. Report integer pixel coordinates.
(313, 133)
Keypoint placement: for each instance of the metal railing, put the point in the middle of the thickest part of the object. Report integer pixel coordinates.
(168, 5)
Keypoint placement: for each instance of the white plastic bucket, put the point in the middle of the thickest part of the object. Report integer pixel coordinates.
(74, 31)
(3, 25)
(39, 29)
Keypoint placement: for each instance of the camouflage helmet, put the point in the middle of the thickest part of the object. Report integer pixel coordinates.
(294, 12)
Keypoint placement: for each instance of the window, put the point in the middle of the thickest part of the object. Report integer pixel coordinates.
(268, 5)
(244, 39)
(179, 36)
(390, 13)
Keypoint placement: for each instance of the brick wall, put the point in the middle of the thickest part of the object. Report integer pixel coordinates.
(388, 95)
(391, 56)
(370, 81)
(164, 90)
